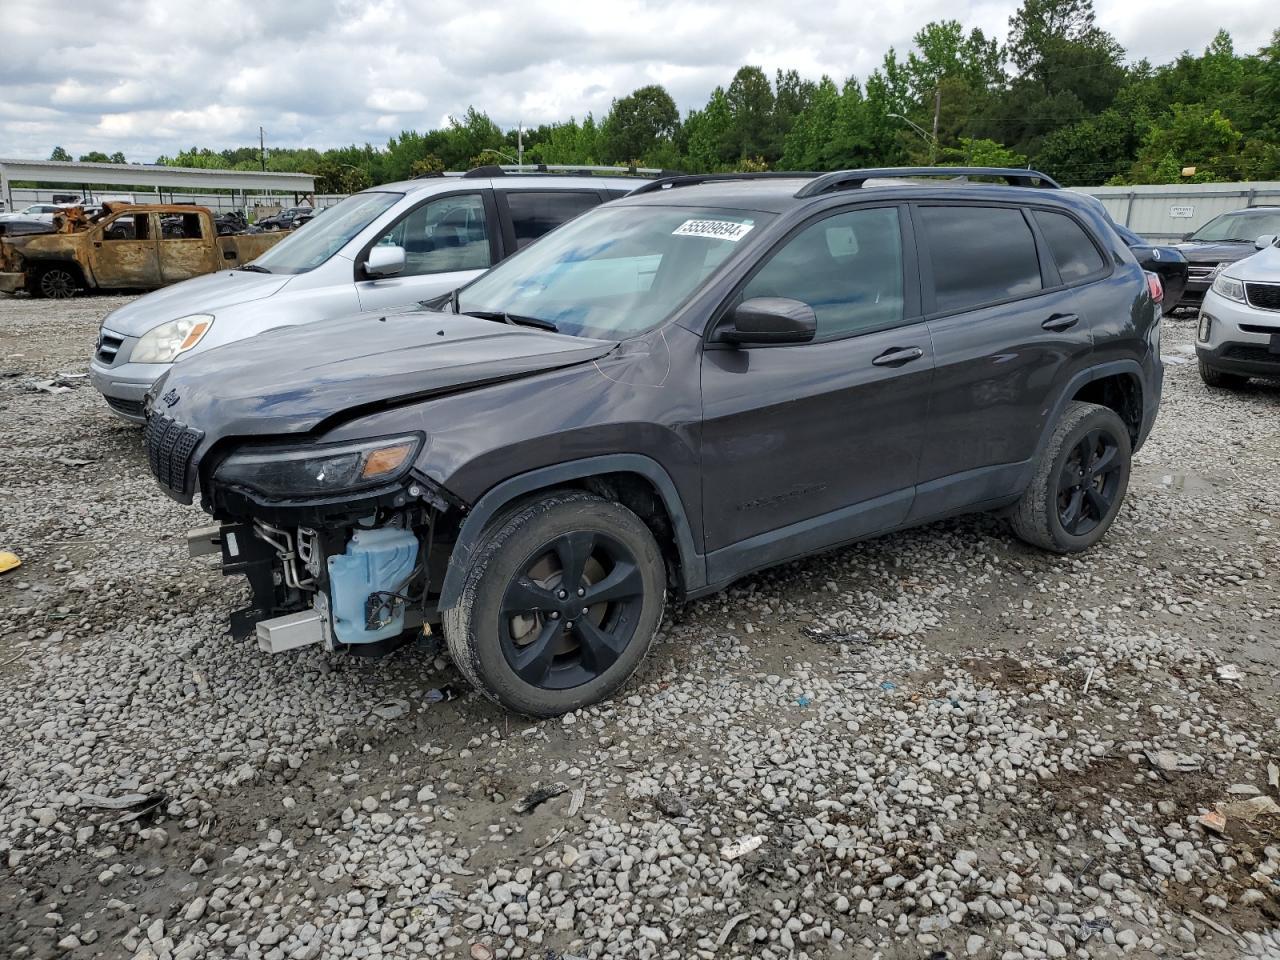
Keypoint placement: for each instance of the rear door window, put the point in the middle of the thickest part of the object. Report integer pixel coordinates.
(1074, 253)
(534, 213)
(135, 226)
(186, 226)
(980, 255)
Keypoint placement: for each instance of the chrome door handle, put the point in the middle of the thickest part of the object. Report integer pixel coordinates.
(896, 357)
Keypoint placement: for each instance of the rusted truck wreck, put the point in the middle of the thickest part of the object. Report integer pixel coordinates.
(125, 247)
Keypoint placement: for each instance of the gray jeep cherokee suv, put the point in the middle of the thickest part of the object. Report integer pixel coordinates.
(710, 376)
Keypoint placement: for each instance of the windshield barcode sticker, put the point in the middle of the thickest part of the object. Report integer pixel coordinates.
(713, 229)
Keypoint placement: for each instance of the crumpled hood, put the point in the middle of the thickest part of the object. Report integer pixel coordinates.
(292, 379)
(1196, 252)
(205, 294)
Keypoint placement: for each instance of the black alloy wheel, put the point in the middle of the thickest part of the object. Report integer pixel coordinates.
(1079, 483)
(1089, 482)
(571, 610)
(58, 283)
(561, 600)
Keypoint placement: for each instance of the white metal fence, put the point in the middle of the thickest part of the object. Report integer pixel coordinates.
(1171, 211)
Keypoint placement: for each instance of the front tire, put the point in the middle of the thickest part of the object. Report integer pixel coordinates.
(559, 605)
(1220, 380)
(57, 283)
(1079, 483)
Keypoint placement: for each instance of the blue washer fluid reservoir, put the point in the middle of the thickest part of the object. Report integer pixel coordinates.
(375, 560)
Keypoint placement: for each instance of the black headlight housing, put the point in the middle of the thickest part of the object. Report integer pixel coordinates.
(319, 470)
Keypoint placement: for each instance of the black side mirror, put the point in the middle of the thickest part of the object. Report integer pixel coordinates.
(770, 320)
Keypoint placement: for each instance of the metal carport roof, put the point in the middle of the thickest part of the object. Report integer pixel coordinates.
(149, 175)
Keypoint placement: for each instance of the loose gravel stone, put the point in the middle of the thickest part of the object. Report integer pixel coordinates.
(941, 737)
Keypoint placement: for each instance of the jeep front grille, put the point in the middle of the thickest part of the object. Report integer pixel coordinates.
(170, 445)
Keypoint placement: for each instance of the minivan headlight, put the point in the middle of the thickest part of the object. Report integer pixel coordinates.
(289, 473)
(1228, 287)
(165, 342)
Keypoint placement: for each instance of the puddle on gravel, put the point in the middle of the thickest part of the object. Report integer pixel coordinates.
(1176, 482)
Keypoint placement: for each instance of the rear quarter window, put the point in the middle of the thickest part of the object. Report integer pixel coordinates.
(1074, 253)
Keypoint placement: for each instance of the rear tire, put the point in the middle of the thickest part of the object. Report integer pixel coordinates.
(1220, 380)
(1079, 483)
(559, 605)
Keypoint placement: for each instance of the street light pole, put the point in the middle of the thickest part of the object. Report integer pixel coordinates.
(931, 140)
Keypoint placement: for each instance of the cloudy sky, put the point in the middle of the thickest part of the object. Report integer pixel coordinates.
(154, 76)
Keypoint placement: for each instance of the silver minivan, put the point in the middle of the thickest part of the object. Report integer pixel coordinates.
(381, 249)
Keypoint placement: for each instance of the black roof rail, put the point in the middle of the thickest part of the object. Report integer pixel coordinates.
(693, 179)
(853, 179)
(488, 170)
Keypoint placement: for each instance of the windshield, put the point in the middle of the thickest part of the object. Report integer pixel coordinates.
(615, 271)
(300, 252)
(1239, 227)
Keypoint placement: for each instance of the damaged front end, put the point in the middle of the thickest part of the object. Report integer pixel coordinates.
(13, 271)
(338, 542)
(365, 588)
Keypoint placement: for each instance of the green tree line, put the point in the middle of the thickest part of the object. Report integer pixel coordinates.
(1058, 94)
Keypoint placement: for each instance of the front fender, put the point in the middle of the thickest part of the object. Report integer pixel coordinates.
(692, 564)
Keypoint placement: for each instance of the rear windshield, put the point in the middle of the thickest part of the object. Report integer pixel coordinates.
(615, 271)
(307, 249)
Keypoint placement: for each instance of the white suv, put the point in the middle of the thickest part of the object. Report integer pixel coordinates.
(385, 248)
(1239, 332)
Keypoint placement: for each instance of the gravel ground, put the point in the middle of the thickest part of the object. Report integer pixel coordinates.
(934, 745)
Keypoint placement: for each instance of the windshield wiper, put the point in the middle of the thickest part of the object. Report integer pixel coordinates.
(513, 318)
(252, 268)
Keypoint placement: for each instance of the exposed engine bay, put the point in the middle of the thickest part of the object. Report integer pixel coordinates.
(366, 588)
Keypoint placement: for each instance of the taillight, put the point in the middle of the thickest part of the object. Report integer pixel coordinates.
(1155, 287)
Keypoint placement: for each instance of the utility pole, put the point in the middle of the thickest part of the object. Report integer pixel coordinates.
(520, 146)
(937, 111)
(262, 145)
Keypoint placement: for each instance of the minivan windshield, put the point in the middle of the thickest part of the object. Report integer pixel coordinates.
(307, 249)
(613, 272)
(1239, 227)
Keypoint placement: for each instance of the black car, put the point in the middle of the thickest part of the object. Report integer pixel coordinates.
(707, 377)
(25, 227)
(1164, 261)
(286, 219)
(1224, 239)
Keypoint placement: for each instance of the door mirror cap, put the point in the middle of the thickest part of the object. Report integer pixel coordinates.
(384, 262)
(770, 320)
(1264, 241)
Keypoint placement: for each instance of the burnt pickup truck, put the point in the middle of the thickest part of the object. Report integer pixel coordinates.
(124, 247)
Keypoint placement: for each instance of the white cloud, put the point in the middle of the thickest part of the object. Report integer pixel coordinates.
(150, 77)
(388, 100)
